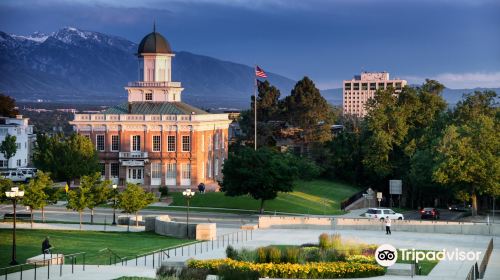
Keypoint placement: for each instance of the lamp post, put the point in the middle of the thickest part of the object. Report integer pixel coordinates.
(14, 194)
(114, 205)
(188, 194)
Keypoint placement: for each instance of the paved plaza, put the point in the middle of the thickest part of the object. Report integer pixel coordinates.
(444, 270)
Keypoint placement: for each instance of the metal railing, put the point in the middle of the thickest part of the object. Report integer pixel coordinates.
(477, 271)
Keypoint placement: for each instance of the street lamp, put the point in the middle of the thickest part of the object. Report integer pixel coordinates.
(114, 205)
(188, 194)
(14, 194)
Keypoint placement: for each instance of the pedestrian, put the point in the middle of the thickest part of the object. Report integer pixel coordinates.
(46, 246)
(387, 222)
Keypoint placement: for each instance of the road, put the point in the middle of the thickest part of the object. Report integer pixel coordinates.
(444, 215)
(60, 213)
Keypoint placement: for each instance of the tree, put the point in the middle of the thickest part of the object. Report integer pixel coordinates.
(468, 157)
(35, 196)
(307, 109)
(66, 158)
(8, 147)
(8, 106)
(133, 199)
(100, 191)
(267, 102)
(78, 200)
(260, 174)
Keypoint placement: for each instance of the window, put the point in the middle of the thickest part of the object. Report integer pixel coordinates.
(99, 143)
(102, 167)
(136, 143)
(209, 169)
(156, 143)
(115, 142)
(4, 163)
(186, 143)
(216, 167)
(18, 146)
(364, 86)
(373, 86)
(115, 169)
(356, 86)
(171, 174)
(149, 96)
(398, 85)
(87, 136)
(381, 86)
(347, 86)
(171, 143)
(19, 162)
(186, 171)
(155, 170)
(216, 141)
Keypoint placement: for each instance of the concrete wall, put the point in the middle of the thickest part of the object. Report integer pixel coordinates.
(420, 226)
(294, 222)
(162, 225)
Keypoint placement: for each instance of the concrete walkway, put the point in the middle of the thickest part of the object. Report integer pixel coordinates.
(57, 226)
(455, 270)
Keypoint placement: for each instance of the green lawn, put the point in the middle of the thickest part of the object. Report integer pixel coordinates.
(308, 197)
(426, 266)
(125, 244)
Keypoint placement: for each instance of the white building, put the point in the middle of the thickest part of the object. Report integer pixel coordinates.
(20, 128)
(361, 88)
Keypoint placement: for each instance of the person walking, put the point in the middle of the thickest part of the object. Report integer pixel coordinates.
(387, 222)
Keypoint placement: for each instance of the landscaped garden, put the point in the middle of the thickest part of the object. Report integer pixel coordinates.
(124, 244)
(308, 197)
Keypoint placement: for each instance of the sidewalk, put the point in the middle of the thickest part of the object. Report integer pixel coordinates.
(56, 226)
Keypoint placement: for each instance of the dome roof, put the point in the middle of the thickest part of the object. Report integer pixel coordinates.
(154, 42)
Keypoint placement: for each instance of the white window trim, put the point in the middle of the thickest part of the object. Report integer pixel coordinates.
(175, 143)
(182, 143)
(104, 142)
(153, 143)
(132, 143)
(111, 144)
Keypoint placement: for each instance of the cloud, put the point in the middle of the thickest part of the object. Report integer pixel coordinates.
(461, 80)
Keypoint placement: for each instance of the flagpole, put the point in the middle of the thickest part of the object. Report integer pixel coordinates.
(255, 113)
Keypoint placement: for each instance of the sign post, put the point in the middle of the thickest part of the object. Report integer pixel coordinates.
(379, 198)
(395, 187)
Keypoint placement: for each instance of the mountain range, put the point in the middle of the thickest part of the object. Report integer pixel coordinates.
(78, 66)
(73, 65)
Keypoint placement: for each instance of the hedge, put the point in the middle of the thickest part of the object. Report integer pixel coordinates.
(323, 270)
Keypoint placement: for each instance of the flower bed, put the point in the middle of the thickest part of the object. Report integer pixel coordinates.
(330, 270)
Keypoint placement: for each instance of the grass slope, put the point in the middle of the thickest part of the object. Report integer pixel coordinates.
(308, 197)
(125, 244)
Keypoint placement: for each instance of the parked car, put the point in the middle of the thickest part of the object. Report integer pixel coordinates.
(14, 175)
(429, 213)
(382, 213)
(458, 208)
(28, 172)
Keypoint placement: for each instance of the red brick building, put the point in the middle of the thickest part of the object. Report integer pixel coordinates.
(155, 139)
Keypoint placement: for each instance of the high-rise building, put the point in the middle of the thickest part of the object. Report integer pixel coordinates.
(155, 139)
(361, 88)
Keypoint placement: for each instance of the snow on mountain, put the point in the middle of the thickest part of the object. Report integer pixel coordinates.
(35, 37)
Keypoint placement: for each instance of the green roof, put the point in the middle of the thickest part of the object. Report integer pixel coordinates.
(154, 108)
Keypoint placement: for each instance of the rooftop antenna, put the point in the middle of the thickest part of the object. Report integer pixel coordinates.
(154, 26)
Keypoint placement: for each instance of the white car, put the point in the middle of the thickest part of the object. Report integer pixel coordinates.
(28, 172)
(14, 175)
(382, 213)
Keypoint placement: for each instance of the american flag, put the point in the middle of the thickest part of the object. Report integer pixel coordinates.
(259, 72)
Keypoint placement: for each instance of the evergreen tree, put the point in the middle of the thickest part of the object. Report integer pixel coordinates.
(307, 109)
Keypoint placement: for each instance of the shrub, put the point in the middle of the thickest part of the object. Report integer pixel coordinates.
(274, 255)
(291, 255)
(193, 273)
(335, 241)
(231, 253)
(261, 255)
(361, 259)
(330, 270)
(163, 191)
(309, 254)
(247, 255)
(231, 273)
(324, 241)
(331, 255)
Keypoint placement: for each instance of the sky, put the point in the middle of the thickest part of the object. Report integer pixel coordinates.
(454, 41)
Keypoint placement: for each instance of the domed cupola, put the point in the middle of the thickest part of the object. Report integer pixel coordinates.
(154, 42)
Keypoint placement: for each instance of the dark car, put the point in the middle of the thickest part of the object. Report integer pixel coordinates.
(458, 208)
(429, 213)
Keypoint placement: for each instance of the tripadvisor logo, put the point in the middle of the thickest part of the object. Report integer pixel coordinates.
(386, 255)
